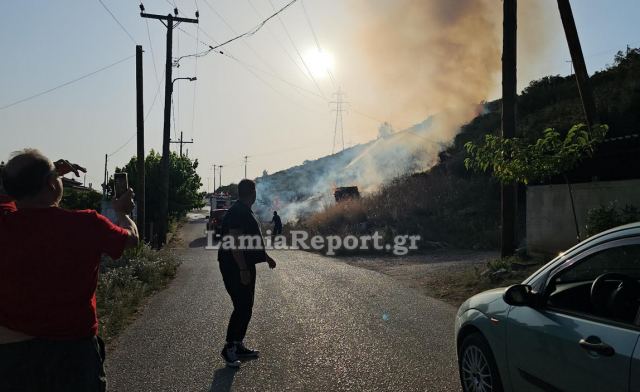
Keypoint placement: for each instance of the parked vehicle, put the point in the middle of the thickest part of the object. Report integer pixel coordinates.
(574, 325)
(346, 193)
(214, 221)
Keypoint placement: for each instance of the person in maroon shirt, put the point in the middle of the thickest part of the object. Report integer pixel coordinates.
(49, 262)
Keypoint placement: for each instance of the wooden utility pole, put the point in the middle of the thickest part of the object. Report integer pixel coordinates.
(104, 183)
(140, 192)
(509, 96)
(180, 142)
(584, 84)
(579, 66)
(246, 160)
(168, 87)
(220, 167)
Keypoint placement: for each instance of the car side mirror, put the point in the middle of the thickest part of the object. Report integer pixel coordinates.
(519, 295)
(206, 217)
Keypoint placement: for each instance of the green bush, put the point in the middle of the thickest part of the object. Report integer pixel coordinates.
(125, 282)
(609, 216)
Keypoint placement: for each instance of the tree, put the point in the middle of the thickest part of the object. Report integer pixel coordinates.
(514, 160)
(73, 199)
(184, 190)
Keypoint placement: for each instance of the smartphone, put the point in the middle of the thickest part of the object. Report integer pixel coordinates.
(121, 184)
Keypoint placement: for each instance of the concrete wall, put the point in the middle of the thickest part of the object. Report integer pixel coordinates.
(550, 226)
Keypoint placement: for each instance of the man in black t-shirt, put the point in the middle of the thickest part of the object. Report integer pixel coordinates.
(241, 248)
(277, 223)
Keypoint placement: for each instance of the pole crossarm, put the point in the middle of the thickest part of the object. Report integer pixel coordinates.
(167, 17)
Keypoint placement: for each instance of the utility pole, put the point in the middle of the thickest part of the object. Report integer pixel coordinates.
(168, 88)
(246, 157)
(104, 183)
(339, 109)
(220, 167)
(181, 142)
(214, 178)
(509, 94)
(579, 66)
(584, 84)
(140, 192)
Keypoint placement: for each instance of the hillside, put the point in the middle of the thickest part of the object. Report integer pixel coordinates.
(301, 190)
(445, 202)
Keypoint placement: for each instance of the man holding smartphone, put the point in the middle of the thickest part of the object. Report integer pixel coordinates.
(49, 262)
(238, 268)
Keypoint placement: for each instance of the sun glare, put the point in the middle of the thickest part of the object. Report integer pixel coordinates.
(320, 63)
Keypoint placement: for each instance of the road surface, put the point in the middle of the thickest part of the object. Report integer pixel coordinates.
(320, 324)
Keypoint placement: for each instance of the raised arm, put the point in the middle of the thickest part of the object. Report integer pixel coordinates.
(123, 207)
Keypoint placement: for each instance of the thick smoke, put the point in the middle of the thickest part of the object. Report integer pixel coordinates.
(433, 59)
(434, 56)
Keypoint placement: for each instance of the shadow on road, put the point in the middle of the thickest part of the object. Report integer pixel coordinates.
(198, 243)
(223, 379)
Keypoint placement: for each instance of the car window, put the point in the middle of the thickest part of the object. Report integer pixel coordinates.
(570, 290)
(622, 259)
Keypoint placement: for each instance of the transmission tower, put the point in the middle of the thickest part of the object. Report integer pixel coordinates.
(339, 106)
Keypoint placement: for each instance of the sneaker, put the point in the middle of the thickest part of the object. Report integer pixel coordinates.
(244, 352)
(230, 356)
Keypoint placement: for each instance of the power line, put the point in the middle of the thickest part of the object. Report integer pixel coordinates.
(155, 97)
(297, 65)
(118, 22)
(153, 102)
(246, 34)
(153, 56)
(122, 146)
(284, 27)
(233, 31)
(248, 68)
(65, 83)
(272, 75)
(315, 37)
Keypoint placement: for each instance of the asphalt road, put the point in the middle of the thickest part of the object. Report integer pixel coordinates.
(320, 324)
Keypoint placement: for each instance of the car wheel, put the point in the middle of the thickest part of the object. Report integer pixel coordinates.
(478, 370)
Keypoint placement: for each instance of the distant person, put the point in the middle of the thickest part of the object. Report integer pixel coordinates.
(238, 268)
(277, 223)
(49, 262)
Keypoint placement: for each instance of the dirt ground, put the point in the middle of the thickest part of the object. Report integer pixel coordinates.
(447, 274)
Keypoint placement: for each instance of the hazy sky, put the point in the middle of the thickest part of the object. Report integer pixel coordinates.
(259, 103)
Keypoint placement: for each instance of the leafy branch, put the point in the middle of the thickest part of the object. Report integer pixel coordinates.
(514, 160)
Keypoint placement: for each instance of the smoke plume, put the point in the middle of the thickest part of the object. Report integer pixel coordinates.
(423, 59)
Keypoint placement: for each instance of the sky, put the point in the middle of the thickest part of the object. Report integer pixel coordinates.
(257, 100)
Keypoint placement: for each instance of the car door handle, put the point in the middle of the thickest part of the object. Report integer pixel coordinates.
(594, 344)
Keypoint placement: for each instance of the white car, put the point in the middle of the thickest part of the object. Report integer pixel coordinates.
(574, 325)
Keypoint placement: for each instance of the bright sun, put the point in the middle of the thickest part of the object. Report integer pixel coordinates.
(320, 63)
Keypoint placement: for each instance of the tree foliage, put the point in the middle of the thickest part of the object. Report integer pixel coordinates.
(515, 160)
(184, 184)
(73, 199)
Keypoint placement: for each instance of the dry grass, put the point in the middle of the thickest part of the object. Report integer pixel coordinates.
(444, 210)
(458, 285)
